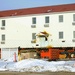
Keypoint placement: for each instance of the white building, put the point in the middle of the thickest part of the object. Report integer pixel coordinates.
(38, 27)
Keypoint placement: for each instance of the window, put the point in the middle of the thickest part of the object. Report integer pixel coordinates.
(60, 18)
(3, 22)
(33, 36)
(60, 35)
(3, 37)
(73, 34)
(47, 19)
(73, 17)
(34, 20)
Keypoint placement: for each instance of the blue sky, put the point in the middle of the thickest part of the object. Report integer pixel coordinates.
(18, 4)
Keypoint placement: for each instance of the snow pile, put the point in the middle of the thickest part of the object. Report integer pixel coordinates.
(37, 65)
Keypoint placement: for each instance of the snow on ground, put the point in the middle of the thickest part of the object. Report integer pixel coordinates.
(37, 65)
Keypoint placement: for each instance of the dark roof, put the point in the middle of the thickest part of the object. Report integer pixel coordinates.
(38, 10)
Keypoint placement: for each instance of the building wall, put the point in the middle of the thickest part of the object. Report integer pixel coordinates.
(18, 30)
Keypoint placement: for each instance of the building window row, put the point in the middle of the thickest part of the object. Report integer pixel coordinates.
(61, 35)
(47, 19)
(34, 20)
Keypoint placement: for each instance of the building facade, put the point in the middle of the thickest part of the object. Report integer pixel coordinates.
(38, 27)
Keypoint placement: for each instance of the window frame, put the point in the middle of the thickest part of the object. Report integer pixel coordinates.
(74, 34)
(73, 17)
(3, 37)
(34, 20)
(61, 35)
(33, 36)
(60, 18)
(3, 23)
(47, 19)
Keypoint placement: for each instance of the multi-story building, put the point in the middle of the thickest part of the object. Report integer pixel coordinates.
(39, 27)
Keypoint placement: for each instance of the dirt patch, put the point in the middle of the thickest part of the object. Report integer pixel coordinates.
(36, 73)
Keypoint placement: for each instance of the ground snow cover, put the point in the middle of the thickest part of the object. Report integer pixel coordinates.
(37, 65)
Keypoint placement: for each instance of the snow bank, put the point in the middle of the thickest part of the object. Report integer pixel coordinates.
(36, 65)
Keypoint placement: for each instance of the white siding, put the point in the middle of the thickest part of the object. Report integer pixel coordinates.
(18, 30)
